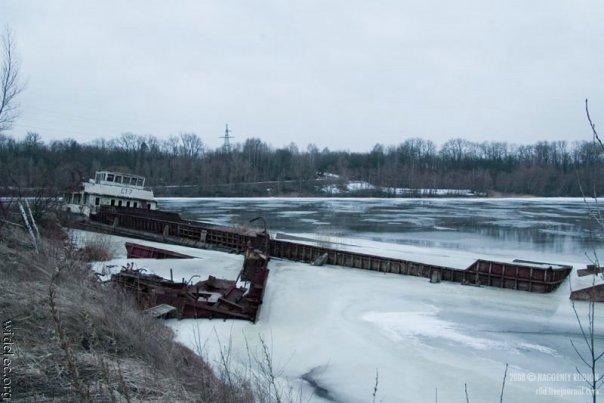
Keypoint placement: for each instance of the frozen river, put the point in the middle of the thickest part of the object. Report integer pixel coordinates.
(330, 329)
(550, 229)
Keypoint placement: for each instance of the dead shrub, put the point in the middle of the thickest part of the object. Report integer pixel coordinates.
(96, 248)
(80, 340)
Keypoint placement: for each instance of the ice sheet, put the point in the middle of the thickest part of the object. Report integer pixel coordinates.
(542, 229)
(342, 325)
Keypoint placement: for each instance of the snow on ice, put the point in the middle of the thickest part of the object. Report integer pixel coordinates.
(332, 328)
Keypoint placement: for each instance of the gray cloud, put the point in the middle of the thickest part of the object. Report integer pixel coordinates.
(342, 74)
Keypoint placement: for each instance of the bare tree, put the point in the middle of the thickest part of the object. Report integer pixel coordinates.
(591, 357)
(10, 86)
(191, 145)
(129, 142)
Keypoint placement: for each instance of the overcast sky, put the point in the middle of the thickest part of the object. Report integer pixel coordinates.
(341, 74)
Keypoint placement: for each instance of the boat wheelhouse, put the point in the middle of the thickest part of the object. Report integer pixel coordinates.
(110, 188)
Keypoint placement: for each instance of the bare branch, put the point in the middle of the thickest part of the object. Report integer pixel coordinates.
(577, 352)
(592, 125)
(588, 329)
(375, 386)
(10, 86)
(505, 374)
(580, 323)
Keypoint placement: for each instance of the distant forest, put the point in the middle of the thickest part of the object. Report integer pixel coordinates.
(183, 165)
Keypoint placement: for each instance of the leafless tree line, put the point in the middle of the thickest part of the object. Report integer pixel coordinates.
(544, 168)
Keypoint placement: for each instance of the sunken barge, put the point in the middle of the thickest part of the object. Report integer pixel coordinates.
(162, 226)
(213, 298)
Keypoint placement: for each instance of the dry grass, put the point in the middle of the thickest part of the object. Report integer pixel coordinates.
(258, 369)
(96, 248)
(77, 339)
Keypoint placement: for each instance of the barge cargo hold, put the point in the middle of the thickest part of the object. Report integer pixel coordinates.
(169, 227)
(213, 298)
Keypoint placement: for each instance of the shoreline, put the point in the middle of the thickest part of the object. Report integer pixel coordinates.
(361, 198)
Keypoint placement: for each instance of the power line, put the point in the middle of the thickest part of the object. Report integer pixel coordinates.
(50, 115)
(226, 147)
(51, 120)
(60, 131)
(62, 115)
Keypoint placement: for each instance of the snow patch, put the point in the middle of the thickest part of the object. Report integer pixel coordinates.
(331, 189)
(428, 192)
(357, 185)
(419, 326)
(354, 186)
(413, 326)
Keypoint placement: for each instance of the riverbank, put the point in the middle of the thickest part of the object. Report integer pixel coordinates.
(309, 188)
(73, 338)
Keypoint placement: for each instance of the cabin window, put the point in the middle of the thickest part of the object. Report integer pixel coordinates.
(98, 178)
(133, 181)
(119, 203)
(128, 204)
(97, 201)
(85, 198)
(149, 206)
(76, 198)
(110, 177)
(135, 204)
(113, 202)
(139, 182)
(118, 179)
(126, 180)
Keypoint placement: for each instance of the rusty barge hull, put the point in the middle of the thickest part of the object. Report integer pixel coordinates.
(594, 293)
(138, 251)
(213, 298)
(169, 227)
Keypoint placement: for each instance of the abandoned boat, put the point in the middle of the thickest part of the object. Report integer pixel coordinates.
(218, 298)
(169, 227)
(110, 188)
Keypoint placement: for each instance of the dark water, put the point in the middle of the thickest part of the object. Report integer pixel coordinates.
(533, 228)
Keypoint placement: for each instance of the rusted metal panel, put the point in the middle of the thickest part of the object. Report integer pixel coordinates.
(594, 293)
(590, 269)
(160, 311)
(138, 251)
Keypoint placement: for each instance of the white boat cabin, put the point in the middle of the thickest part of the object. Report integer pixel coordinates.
(110, 189)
